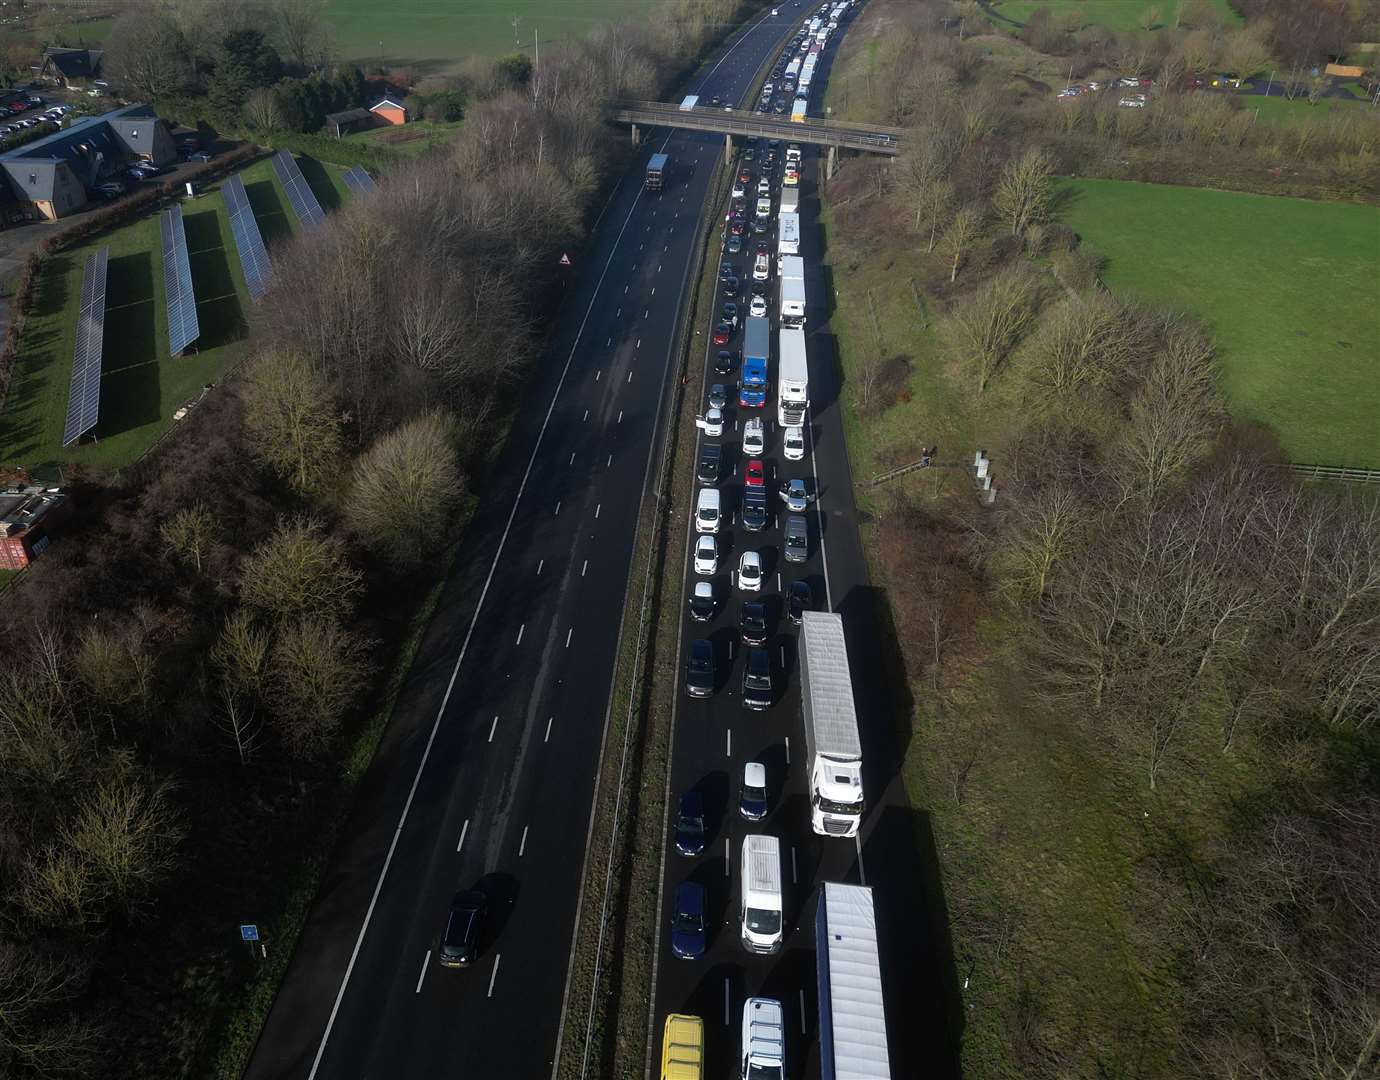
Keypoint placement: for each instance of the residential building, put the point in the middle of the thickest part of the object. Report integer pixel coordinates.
(26, 515)
(390, 107)
(70, 67)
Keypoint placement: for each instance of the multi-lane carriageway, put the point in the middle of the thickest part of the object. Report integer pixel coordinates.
(486, 773)
(715, 737)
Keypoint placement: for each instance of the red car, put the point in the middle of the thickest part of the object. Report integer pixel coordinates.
(737, 228)
(756, 475)
(745, 176)
(722, 333)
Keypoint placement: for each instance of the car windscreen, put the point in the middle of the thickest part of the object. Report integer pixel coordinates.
(762, 921)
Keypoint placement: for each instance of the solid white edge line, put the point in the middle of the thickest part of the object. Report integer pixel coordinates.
(421, 975)
(464, 647)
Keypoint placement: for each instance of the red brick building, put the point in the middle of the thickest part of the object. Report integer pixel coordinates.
(390, 108)
(26, 515)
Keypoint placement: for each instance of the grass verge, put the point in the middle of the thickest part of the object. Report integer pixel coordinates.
(1288, 286)
(1113, 14)
(413, 139)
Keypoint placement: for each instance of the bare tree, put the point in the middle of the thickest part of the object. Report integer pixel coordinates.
(240, 657)
(33, 988)
(126, 828)
(115, 665)
(40, 744)
(290, 419)
(1025, 192)
(262, 111)
(57, 889)
(300, 32)
(146, 54)
(406, 488)
(1245, 53)
(315, 673)
(189, 534)
(300, 570)
(1040, 532)
(985, 326)
(959, 237)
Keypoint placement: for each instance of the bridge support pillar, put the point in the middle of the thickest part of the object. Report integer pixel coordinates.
(636, 135)
(830, 162)
(728, 150)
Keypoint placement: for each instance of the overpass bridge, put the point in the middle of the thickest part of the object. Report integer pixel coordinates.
(834, 134)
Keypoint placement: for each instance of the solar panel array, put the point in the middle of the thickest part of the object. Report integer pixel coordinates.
(183, 328)
(360, 182)
(303, 200)
(248, 241)
(84, 394)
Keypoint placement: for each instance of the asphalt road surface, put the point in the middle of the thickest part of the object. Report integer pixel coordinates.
(714, 737)
(485, 776)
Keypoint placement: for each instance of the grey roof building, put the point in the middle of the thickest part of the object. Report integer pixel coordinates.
(53, 173)
(70, 67)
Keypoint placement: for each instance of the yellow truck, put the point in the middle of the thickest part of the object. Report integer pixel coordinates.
(682, 1048)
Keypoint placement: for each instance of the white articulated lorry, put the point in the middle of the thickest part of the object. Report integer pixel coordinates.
(831, 726)
(852, 1019)
(790, 200)
(791, 280)
(793, 377)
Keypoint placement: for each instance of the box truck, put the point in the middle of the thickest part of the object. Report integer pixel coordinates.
(787, 230)
(833, 749)
(792, 290)
(792, 377)
(656, 172)
(852, 1020)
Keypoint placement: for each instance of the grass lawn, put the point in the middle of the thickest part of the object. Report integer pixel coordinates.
(435, 35)
(1278, 110)
(1288, 286)
(412, 139)
(141, 385)
(1115, 14)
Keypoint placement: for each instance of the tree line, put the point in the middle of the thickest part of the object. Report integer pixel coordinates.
(191, 661)
(1150, 595)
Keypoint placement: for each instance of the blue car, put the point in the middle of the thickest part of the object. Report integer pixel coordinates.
(687, 921)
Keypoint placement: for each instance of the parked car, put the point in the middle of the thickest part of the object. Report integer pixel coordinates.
(725, 362)
(722, 333)
(711, 423)
(744, 176)
(794, 442)
(757, 679)
(733, 245)
(752, 797)
(707, 468)
(718, 396)
(754, 509)
(702, 602)
(699, 674)
(687, 921)
(706, 555)
(749, 575)
(756, 474)
(460, 942)
(690, 824)
(731, 285)
(799, 599)
(708, 511)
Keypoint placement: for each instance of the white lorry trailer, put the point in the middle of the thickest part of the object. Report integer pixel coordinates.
(793, 377)
(852, 1017)
(787, 231)
(790, 200)
(791, 275)
(831, 727)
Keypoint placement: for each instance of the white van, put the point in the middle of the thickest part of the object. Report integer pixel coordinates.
(707, 511)
(762, 928)
(763, 1040)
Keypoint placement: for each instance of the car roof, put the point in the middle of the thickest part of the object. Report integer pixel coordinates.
(755, 774)
(701, 647)
(703, 588)
(691, 803)
(467, 899)
(751, 556)
(691, 891)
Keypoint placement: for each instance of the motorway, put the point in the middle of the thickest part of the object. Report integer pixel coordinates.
(713, 738)
(485, 775)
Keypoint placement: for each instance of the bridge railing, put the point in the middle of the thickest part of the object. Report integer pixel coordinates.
(885, 141)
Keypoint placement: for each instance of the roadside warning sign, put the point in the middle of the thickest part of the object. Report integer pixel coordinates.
(565, 259)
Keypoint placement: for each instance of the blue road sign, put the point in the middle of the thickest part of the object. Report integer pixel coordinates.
(249, 932)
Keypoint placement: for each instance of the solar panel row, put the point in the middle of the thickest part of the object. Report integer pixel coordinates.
(183, 328)
(84, 393)
(248, 241)
(359, 181)
(302, 198)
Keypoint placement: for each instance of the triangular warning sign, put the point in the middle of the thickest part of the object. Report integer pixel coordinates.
(565, 260)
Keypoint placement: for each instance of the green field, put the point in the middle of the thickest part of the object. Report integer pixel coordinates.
(1115, 14)
(141, 385)
(434, 35)
(412, 139)
(1278, 110)
(1288, 286)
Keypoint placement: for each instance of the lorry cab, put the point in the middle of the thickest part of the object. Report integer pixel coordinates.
(682, 1048)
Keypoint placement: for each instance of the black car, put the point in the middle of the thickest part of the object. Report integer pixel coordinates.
(761, 224)
(799, 600)
(690, 824)
(687, 921)
(734, 245)
(715, 102)
(752, 799)
(749, 154)
(726, 271)
(731, 285)
(702, 602)
(711, 454)
(699, 675)
(460, 943)
(752, 622)
(756, 511)
(725, 362)
(757, 680)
